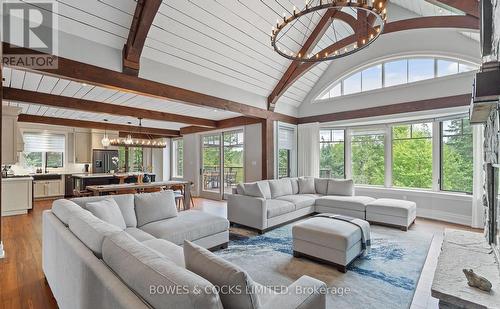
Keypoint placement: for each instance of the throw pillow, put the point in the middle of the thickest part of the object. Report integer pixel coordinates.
(306, 185)
(280, 187)
(108, 211)
(240, 189)
(321, 185)
(150, 207)
(253, 189)
(343, 187)
(295, 185)
(222, 273)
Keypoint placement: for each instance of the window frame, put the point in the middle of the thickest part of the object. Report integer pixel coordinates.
(325, 94)
(332, 141)
(441, 155)
(175, 157)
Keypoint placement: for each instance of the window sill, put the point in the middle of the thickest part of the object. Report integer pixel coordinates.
(410, 191)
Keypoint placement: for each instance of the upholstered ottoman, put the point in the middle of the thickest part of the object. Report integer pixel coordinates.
(392, 212)
(328, 240)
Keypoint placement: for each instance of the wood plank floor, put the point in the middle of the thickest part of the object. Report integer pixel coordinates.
(22, 284)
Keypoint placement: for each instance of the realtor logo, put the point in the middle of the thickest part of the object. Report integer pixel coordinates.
(30, 26)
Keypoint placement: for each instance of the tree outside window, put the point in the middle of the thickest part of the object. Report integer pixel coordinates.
(456, 156)
(368, 165)
(412, 155)
(332, 161)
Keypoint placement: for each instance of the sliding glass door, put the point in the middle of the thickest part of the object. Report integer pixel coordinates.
(222, 163)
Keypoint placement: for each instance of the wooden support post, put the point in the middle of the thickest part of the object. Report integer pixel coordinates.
(267, 149)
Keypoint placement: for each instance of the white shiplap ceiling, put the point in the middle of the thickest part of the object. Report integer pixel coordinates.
(47, 84)
(224, 40)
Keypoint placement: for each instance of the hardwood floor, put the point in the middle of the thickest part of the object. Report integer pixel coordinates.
(22, 283)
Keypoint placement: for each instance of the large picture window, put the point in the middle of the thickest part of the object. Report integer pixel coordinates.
(332, 159)
(412, 155)
(456, 156)
(43, 150)
(177, 158)
(368, 165)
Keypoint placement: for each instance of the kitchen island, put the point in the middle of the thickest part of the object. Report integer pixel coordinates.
(83, 180)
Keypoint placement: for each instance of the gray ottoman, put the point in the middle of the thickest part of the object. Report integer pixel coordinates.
(327, 240)
(392, 212)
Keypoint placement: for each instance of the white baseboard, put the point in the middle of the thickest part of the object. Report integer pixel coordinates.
(2, 253)
(444, 216)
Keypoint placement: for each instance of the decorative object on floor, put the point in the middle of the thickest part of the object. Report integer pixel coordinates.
(366, 18)
(477, 281)
(386, 278)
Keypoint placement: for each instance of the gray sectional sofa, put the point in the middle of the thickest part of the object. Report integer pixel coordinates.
(126, 251)
(266, 204)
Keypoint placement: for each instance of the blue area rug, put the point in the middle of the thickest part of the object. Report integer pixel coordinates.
(385, 278)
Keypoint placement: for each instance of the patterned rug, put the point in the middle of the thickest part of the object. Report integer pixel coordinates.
(385, 278)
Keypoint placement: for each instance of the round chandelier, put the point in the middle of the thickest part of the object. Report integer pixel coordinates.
(328, 29)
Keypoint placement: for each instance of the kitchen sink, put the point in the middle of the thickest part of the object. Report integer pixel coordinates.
(46, 176)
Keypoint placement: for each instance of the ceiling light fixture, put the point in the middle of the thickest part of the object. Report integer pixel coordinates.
(139, 142)
(295, 28)
(105, 140)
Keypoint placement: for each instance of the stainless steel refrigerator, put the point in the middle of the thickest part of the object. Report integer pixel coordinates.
(103, 160)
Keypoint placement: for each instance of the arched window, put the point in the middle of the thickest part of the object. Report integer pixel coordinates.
(395, 72)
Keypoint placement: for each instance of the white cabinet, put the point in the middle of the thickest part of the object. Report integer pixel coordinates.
(83, 147)
(10, 132)
(16, 195)
(48, 188)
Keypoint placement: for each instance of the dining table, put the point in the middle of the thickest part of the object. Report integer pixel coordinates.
(98, 190)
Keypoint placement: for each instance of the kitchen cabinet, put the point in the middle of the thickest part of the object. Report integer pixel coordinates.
(83, 147)
(17, 195)
(48, 188)
(10, 134)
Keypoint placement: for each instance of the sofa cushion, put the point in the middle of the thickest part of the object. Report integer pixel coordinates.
(142, 269)
(321, 185)
(299, 200)
(295, 185)
(168, 249)
(357, 203)
(222, 273)
(264, 187)
(306, 185)
(65, 209)
(280, 187)
(108, 211)
(138, 234)
(278, 207)
(150, 207)
(253, 189)
(240, 189)
(124, 201)
(188, 225)
(343, 187)
(91, 230)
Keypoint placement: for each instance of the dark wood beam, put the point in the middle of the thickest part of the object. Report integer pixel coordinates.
(400, 108)
(145, 12)
(310, 43)
(99, 107)
(222, 124)
(90, 74)
(96, 125)
(469, 7)
(464, 22)
(267, 132)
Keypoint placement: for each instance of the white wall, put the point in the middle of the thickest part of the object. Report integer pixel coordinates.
(161, 161)
(253, 152)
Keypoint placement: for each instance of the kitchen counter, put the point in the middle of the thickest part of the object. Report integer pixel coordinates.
(17, 195)
(107, 175)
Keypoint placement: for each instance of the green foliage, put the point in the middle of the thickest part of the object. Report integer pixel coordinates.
(283, 163)
(33, 159)
(332, 160)
(368, 159)
(54, 159)
(412, 156)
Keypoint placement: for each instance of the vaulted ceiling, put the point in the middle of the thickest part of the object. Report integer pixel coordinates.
(222, 40)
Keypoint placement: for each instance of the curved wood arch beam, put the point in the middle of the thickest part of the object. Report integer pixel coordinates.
(144, 14)
(465, 22)
(311, 41)
(469, 7)
(46, 99)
